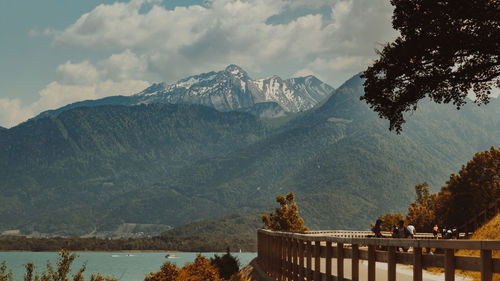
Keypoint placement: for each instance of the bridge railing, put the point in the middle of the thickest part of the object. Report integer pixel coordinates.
(365, 234)
(297, 256)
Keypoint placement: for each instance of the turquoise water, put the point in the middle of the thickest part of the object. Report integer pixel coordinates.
(122, 265)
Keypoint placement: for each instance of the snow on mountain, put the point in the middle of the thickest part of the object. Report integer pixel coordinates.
(226, 90)
(233, 89)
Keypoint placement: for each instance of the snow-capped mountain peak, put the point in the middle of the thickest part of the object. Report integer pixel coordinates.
(232, 89)
(226, 90)
(235, 70)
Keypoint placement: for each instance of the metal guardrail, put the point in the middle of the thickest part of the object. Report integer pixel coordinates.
(368, 234)
(291, 256)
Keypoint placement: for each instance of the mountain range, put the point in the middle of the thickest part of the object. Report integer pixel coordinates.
(231, 89)
(93, 168)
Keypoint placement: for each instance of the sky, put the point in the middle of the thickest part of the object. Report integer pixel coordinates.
(55, 52)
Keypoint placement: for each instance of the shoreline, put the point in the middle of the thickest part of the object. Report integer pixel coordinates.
(96, 251)
(119, 251)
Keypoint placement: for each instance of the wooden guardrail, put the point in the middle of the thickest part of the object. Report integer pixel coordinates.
(298, 256)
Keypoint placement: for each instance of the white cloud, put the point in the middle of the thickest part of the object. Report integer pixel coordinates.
(315, 4)
(187, 40)
(76, 73)
(123, 66)
(124, 88)
(77, 82)
(340, 11)
(306, 72)
(12, 112)
(158, 44)
(344, 63)
(55, 95)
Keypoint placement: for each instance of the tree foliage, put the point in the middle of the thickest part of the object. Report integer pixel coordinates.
(445, 50)
(200, 270)
(421, 211)
(168, 272)
(199, 242)
(390, 220)
(464, 196)
(60, 273)
(5, 274)
(467, 193)
(228, 265)
(286, 217)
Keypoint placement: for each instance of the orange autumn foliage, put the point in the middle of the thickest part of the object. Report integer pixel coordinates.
(169, 271)
(200, 270)
(286, 217)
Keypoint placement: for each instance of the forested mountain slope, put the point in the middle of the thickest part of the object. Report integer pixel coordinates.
(93, 168)
(343, 163)
(67, 169)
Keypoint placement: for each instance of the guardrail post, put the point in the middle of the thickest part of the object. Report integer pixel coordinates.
(282, 254)
(340, 261)
(289, 258)
(276, 256)
(264, 252)
(317, 261)
(262, 258)
(391, 263)
(417, 264)
(280, 262)
(309, 261)
(449, 265)
(271, 255)
(328, 262)
(486, 265)
(294, 260)
(301, 259)
(355, 262)
(371, 263)
(298, 259)
(268, 253)
(259, 251)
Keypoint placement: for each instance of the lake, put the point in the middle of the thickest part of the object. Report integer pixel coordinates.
(124, 266)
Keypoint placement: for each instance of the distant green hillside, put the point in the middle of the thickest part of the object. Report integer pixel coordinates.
(234, 225)
(343, 163)
(86, 164)
(98, 167)
(235, 231)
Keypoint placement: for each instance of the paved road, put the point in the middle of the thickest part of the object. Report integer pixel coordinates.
(403, 272)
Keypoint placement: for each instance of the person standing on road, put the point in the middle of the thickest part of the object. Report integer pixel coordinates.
(376, 229)
(435, 231)
(411, 231)
(403, 233)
